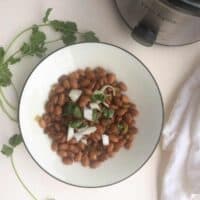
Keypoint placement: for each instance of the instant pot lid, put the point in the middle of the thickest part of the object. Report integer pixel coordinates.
(189, 6)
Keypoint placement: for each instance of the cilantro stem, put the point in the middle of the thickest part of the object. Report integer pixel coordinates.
(6, 112)
(6, 100)
(16, 52)
(21, 33)
(15, 89)
(52, 41)
(20, 180)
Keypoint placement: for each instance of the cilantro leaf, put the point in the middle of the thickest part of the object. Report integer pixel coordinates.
(73, 110)
(64, 27)
(15, 140)
(90, 37)
(37, 37)
(96, 115)
(108, 113)
(36, 44)
(76, 124)
(5, 75)
(98, 96)
(68, 109)
(7, 150)
(2, 53)
(45, 18)
(25, 48)
(69, 39)
(122, 127)
(12, 60)
(77, 112)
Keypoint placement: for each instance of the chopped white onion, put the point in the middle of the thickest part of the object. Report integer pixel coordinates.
(78, 136)
(70, 133)
(94, 106)
(105, 140)
(84, 141)
(84, 131)
(105, 104)
(88, 114)
(87, 131)
(74, 94)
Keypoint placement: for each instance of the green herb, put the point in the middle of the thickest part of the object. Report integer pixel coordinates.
(67, 29)
(76, 124)
(69, 38)
(96, 115)
(2, 53)
(120, 127)
(123, 127)
(90, 37)
(7, 150)
(5, 75)
(71, 109)
(12, 60)
(36, 45)
(45, 18)
(77, 112)
(108, 113)
(64, 27)
(68, 108)
(98, 96)
(15, 140)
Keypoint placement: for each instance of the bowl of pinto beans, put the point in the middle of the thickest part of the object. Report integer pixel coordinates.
(91, 114)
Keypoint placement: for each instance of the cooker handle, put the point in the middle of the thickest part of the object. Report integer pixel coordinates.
(144, 34)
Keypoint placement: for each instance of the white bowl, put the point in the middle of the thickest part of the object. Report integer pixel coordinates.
(142, 90)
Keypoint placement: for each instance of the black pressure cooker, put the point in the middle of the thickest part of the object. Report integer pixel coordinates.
(167, 22)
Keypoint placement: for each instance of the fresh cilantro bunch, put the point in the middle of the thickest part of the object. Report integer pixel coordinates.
(37, 45)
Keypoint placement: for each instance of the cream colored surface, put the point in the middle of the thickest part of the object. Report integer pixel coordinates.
(170, 66)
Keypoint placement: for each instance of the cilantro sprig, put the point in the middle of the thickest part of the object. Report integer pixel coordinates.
(13, 142)
(37, 45)
(8, 150)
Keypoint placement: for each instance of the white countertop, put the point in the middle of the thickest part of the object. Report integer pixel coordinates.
(169, 65)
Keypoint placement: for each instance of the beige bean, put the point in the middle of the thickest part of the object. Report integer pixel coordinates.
(73, 148)
(103, 157)
(125, 99)
(73, 83)
(95, 164)
(67, 161)
(128, 145)
(121, 111)
(84, 83)
(54, 146)
(42, 123)
(63, 146)
(58, 110)
(61, 99)
(70, 154)
(84, 100)
(113, 138)
(66, 84)
(87, 91)
(85, 161)
(59, 89)
(78, 156)
(111, 78)
(110, 148)
(62, 153)
(122, 86)
(93, 155)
